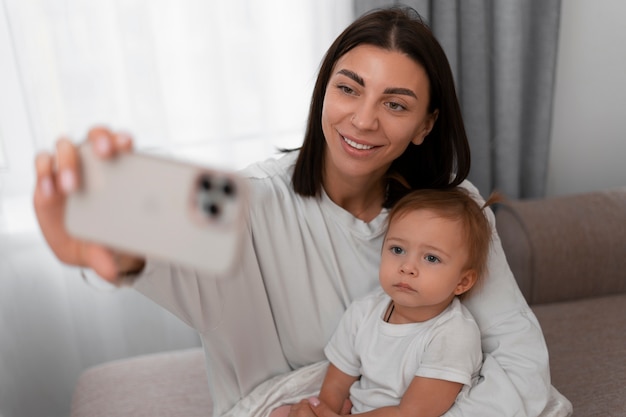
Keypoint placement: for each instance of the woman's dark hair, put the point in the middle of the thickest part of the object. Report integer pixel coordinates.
(443, 159)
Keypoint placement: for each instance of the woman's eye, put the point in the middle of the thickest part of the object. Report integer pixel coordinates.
(395, 106)
(432, 259)
(346, 89)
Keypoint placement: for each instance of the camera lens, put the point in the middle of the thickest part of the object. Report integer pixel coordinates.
(228, 188)
(211, 209)
(205, 183)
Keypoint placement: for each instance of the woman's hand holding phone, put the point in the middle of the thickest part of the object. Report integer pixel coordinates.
(59, 175)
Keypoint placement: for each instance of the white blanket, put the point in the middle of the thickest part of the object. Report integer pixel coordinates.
(305, 382)
(283, 389)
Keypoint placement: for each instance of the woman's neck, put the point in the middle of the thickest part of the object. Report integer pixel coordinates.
(363, 199)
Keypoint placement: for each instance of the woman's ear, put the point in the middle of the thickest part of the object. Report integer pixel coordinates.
(467, 281)
(429, 123)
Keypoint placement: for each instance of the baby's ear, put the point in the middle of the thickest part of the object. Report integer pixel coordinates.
(467, 281)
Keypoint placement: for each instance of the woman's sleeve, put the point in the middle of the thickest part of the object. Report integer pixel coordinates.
(234, 319)
(515, 376)
(177, 289)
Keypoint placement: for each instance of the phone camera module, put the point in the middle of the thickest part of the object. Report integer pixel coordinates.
(214, 194)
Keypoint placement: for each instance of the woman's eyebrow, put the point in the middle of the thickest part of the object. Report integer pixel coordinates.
(353, 76)
(391, 90)
(401, 91)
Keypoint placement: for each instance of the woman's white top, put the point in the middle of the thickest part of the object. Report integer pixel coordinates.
(303, 261)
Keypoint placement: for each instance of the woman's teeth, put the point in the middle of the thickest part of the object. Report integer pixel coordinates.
(357, 145)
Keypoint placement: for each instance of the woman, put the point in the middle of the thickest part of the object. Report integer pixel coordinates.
(384, 119)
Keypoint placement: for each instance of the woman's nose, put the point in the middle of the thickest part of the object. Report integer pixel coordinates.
(365, 117)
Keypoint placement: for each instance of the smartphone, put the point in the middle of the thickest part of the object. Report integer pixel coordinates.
(157, 207)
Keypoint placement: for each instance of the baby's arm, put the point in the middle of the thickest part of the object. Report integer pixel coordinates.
(425, 397)
(336, 388)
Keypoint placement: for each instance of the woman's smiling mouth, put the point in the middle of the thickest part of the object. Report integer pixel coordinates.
(357, 145)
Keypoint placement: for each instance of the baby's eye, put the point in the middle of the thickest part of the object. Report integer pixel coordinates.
(432, 259)
(397, 250)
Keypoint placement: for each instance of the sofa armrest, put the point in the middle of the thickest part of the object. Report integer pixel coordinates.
(152, 385)
(568, 247)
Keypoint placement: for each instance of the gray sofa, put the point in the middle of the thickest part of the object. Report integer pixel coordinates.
(569, 257)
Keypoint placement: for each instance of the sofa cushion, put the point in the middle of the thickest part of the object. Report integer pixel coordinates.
(162, 384)
(587, 344)
(568, 247)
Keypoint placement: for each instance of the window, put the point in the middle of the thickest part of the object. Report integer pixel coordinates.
(224, 82)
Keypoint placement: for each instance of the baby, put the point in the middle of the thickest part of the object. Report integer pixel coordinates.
(411, 345)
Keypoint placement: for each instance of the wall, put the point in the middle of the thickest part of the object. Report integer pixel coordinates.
(589, 126)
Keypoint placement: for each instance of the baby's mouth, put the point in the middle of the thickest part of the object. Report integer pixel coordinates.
(403, 286)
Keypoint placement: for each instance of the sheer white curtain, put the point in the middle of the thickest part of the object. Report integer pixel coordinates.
(224, 82)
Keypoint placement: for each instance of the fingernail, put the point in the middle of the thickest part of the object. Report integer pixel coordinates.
(103, 146)
(68, 181)
(314, 401)
(47, 187)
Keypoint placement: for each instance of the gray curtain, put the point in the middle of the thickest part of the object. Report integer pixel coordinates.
(503, 56)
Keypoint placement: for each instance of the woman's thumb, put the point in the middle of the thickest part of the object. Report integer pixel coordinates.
(321, 409)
